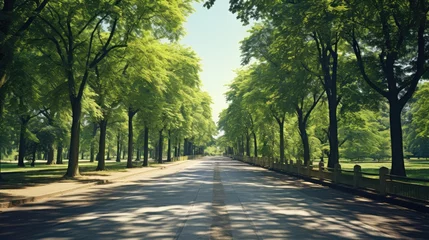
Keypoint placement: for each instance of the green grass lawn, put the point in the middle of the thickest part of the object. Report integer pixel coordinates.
(85, 165)
(16, 177)
(414, 168)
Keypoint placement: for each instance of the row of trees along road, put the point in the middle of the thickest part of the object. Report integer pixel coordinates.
(361, 61)
(112, 68)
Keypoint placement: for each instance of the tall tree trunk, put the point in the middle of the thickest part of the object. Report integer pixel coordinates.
(156, 152)
(3, 92)
(94, 133)
(304, 139)
(22, 146)
(138, 154)
(185, 147)
(248, 145)
(108, 152)
(146, 147)
(302, 126)
(118, 147)
(6, 57)
(33, 155)
(178, 148)
(60, 153)
(282, 140)
(242, 145)
(169, 147)
(160, 145)
(255, 144)
(91, 152)
(333, 132)
(50, 155)
(396, 141)
(123, 151)
(73, 164)
(329, 63)
(102, 146)
(131, 114)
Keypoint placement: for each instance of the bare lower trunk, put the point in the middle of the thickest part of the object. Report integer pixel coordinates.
(108, 152)
(255, 144)
(333, 133)
(185, 147)
(124, 152)
(118, 148)
(160, 145)
(248, 145)
(22, 147)
(60, 154)
(242, 145)
(33, 156)
(178, 149)
(92, 148)
(155, 152)
(305, 143)
(3, 92)
(73, 164)
(131, 114)
(50, 155)
(169, 147)
(102, 146)
(398, 167)
(282, 142)
(146, 147)
(138, 154)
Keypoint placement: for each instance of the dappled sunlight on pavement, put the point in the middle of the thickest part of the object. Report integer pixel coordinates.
(217, 198)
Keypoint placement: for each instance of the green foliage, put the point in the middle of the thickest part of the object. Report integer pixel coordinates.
(420, 110)
(103, 58)
(364, 135)
(358, 50)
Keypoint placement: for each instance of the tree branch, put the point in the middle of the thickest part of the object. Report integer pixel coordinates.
(315, 102)
(30, 20)
(361, 66)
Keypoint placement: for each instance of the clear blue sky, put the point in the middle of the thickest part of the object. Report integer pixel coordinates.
(215, 35)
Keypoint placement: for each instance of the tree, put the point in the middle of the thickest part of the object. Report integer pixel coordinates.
(25, 98)
(298, 84)
(364, 135)
(311, 23)
(106, 85)
(389, 37)
(85, 33)
(417, 124)
(17, 16)
(147, 74)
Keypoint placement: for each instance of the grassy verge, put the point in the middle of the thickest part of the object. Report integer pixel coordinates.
(42, 174)
(414, 168)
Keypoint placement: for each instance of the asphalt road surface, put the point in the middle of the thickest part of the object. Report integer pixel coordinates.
(214, 198)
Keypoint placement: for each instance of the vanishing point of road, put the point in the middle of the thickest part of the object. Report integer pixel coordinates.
(212, 198)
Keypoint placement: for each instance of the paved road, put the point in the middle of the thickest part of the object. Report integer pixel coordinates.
(216, 198)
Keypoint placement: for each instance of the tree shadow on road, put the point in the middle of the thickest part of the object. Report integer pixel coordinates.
(179, 206)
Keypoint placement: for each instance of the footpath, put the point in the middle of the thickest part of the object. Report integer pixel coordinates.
(15, 197)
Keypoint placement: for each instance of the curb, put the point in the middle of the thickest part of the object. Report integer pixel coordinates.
(398, 201)
(18, 202)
